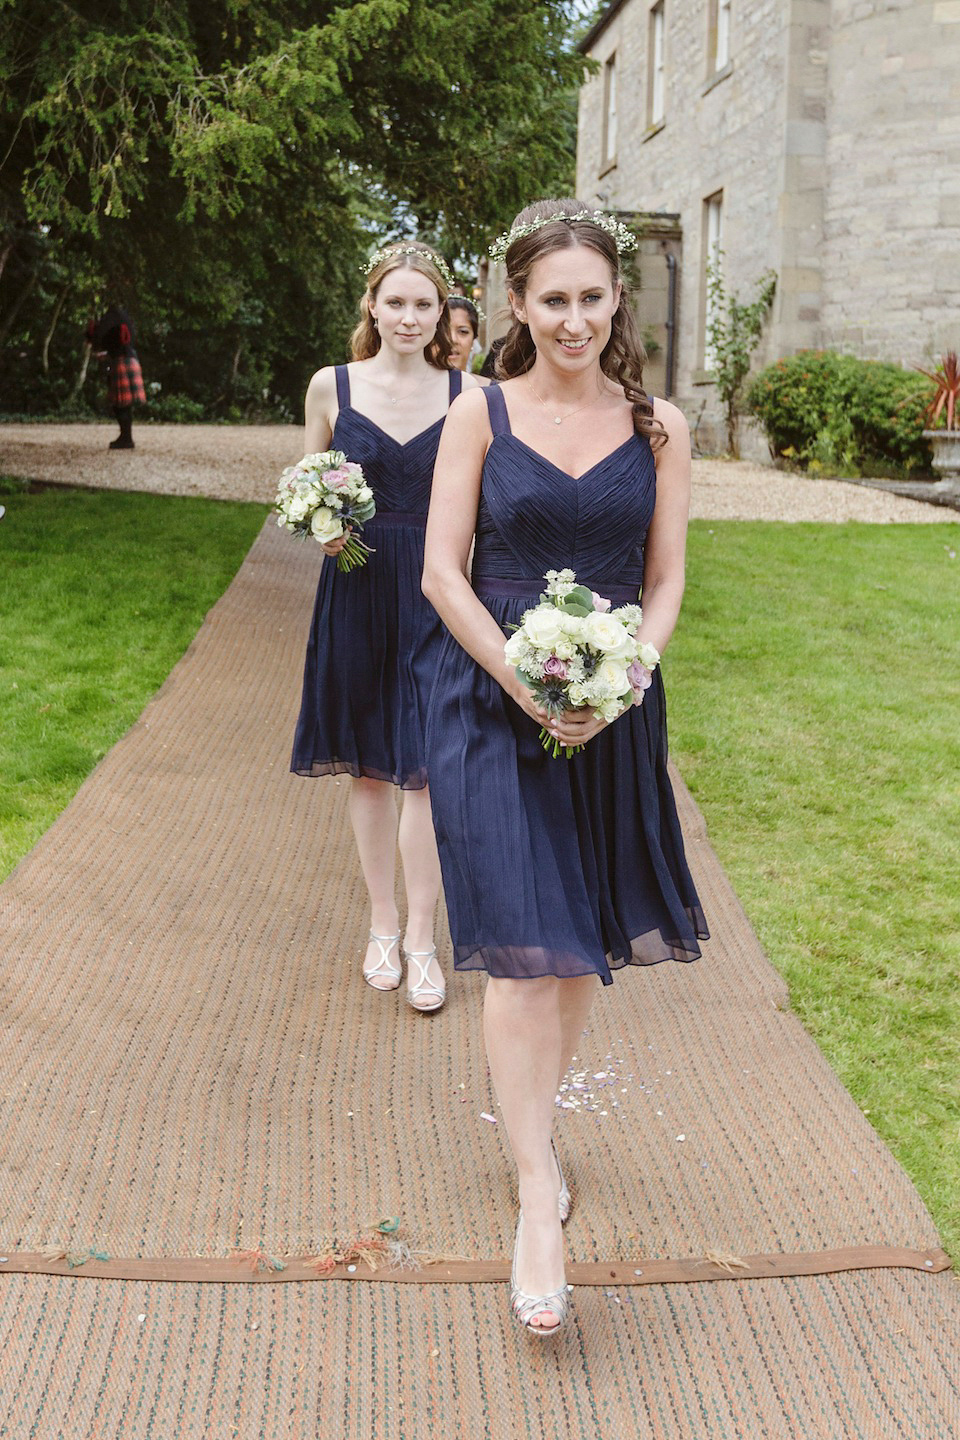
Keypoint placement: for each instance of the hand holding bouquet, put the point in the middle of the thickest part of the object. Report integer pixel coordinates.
(573, 651)
(326, 496)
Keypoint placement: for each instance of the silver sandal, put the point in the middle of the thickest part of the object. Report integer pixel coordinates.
(385, 944)
(424, 986)
(564, 1199)
(525, 1307)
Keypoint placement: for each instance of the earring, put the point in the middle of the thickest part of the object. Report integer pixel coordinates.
(375, 323)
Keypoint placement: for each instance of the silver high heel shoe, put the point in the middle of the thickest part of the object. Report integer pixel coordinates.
(525, 1307)
(564, 1200)
(423, 994)
(383, 967)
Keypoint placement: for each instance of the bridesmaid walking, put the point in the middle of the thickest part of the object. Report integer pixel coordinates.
(556, 872)
(374, 639)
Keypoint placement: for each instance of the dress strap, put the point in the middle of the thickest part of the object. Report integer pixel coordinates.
(456, 384)
(497, 406)
(343, 386)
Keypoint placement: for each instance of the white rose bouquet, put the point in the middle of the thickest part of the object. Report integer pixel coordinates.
(326, 496)
(572, 650)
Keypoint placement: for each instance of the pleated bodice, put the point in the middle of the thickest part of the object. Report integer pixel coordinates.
(399, 474)
(534, 517)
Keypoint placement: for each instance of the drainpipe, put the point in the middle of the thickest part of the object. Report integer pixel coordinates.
(671, 322)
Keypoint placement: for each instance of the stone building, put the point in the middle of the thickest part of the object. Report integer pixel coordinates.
(819, 139)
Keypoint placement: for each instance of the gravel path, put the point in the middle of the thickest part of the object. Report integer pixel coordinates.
(242, 462)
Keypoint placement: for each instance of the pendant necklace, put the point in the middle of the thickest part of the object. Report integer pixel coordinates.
(395, 399)
(559, 419)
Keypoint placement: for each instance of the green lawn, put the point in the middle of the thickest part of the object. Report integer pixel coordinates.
(815, 685)
(100, 594)
(815, 703)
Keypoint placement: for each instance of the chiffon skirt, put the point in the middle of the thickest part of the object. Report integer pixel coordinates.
(554, 866)
(371, 659)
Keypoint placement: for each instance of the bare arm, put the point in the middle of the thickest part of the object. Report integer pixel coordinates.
(665, 552)
(320, 413)
(451, 526)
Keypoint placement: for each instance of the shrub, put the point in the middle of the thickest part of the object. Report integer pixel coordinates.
(835, 412)
(176, 409)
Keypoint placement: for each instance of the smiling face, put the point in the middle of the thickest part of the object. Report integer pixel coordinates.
(406, 307)
(568, 306)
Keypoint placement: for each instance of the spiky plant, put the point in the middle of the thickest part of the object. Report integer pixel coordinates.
(946, 378)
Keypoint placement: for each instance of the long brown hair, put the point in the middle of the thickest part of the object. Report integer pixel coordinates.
(623, 356)
(406, 255)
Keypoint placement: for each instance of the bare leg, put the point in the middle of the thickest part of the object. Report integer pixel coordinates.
(373, 813)
(421, 876)
(524, 1030)
(575, 1002)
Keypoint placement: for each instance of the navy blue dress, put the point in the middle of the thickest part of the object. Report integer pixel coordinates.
(374, 640)
(554, 866)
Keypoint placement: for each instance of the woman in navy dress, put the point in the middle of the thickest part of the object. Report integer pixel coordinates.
(556, 872)
(374, 639)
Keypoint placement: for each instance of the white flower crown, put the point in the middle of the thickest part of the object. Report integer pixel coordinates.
(469, 300)
(436, 260)
(625, 239)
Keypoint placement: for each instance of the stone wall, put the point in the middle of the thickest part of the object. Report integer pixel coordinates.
(719, 132)
(834, 134)
(892, 209)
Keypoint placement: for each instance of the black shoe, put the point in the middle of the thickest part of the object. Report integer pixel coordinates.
(121, 444)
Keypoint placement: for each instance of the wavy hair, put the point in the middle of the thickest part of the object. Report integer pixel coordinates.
(623, 356)
(365, 340)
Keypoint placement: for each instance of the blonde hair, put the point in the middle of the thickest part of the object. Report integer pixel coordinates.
(365, 340)
(623, 357)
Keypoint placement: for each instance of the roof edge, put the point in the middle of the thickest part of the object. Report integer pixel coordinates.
(600, 25)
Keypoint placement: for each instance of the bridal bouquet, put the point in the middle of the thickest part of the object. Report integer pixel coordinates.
(572, 650)
(327, 496)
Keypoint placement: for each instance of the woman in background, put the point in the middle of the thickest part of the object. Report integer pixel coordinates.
(464, 330)
(374, 640)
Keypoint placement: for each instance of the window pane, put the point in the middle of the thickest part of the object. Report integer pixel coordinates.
(723, 33)
(657, 64)
(610, 119)
(713, 247)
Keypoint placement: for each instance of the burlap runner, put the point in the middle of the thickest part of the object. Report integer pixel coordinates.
(193, 1075)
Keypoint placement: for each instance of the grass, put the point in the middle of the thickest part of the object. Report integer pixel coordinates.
(815, 683)
(100, 594)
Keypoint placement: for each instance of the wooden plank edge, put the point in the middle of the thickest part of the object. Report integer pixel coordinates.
(228, 1270)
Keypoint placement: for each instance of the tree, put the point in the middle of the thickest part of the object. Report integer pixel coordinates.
(733, 333)
(233, 161)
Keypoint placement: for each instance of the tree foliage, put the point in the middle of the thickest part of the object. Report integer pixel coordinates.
(223, 166)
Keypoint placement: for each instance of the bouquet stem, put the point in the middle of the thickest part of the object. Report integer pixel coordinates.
(554, 748)
(353, 554)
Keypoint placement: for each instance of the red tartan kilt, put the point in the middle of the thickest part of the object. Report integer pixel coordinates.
(126, 381)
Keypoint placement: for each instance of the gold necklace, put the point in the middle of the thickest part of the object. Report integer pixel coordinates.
(395, 399)
(559, 419)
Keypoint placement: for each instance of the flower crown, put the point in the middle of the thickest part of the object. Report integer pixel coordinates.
(436, 260)
(624, 239)
(467, 300)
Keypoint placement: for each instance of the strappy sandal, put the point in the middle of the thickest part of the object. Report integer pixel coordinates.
(383, 968)
(564, 1200)
(525, 1307)
(423, 994)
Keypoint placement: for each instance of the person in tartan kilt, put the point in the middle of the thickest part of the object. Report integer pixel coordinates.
(112, 338)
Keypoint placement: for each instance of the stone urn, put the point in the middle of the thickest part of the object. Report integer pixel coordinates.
(946, 455)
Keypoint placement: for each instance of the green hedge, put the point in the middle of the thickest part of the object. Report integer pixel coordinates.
(830, 412)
